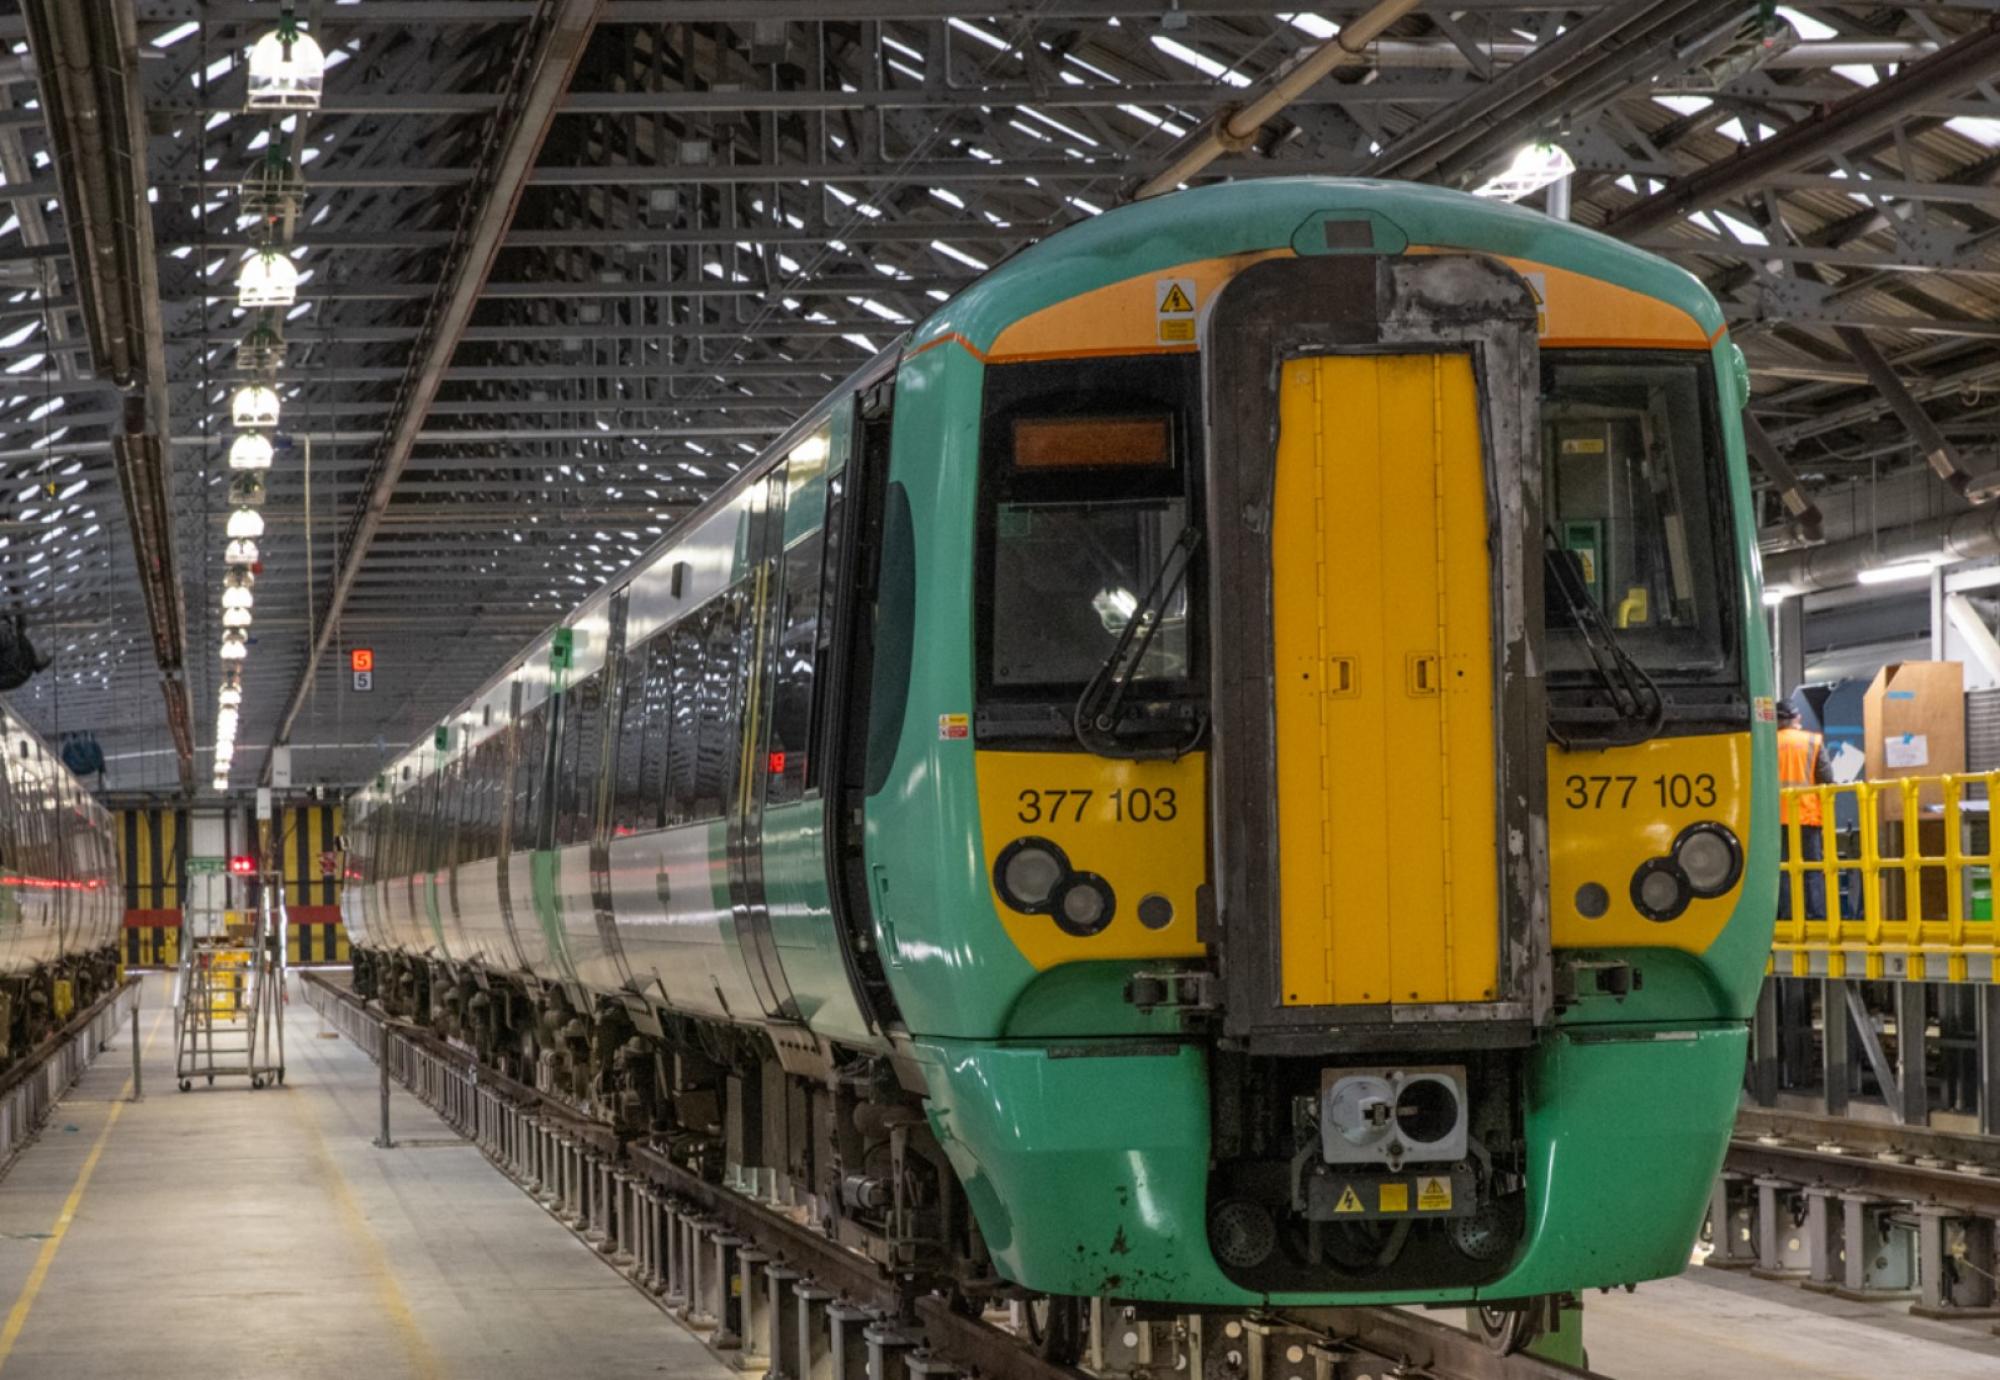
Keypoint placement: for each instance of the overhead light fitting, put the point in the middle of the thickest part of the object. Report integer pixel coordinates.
(242, 551)
(236, 618)
(1901, 570)
(239, 579)
(1534, 167)
(250, 451)
(230, 696)
(1775, 595)
(238, 597)
(234, 646)
(254, 405)
(287, 70)
(268, 278)
(246, 522)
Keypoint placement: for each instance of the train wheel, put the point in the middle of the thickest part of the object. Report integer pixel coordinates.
(1510, 1330)
(1055, 1326)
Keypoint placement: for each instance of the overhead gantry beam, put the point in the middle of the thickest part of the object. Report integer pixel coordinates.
(1967, 62)
(87, 64)
(551, 48)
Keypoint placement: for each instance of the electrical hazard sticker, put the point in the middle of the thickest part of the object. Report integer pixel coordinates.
(1350, 1201)
(1434, 1193)
(953, 727)
(1174, 302)
(1766, 709)
(1393, 1198)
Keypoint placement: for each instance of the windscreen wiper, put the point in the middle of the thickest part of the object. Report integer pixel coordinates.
(1099, 707)
(1635, 696)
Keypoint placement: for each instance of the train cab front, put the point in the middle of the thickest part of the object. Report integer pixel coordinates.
(1291, 654)
(1471, 563)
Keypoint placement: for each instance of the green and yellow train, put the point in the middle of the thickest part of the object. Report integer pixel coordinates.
(1233, 763)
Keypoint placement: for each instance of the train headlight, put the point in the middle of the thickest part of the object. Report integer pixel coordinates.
(1660, 889)
(1086, 904)
(1710, 857)
(1027, 873)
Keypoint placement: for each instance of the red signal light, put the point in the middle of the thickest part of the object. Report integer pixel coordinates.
(243, 865)
(361, 659)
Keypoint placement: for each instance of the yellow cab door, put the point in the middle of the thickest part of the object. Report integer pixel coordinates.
(1381, 599)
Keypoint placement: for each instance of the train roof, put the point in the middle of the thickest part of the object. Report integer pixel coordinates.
(1142, 237)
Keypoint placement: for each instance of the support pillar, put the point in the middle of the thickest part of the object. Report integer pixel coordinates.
(1836, 1050)
(1911, 1049)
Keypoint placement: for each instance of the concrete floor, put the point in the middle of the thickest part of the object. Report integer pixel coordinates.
(1710, 1323)
(227, 1233)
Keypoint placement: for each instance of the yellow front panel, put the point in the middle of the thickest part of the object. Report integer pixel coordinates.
(1611, 809)
(1138, 825)
(1388, 871)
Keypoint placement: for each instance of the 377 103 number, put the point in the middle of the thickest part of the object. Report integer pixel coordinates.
(1677, 789)
(1137, 805)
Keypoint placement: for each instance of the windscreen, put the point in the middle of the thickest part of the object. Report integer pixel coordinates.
(1087, 481)
(1636, 504)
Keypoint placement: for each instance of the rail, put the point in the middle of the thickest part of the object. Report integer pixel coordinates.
(33, 1084)
(779, 1295)
(1861, 1209)
(1882, 899)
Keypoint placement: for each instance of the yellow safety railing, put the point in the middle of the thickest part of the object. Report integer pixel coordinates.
(1903, 891)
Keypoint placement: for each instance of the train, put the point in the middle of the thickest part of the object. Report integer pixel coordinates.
(61, 907)
(1232, 765)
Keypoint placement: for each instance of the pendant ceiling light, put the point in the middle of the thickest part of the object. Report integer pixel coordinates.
(268, 278)
(254, 405)
(246, 522)
(287, 70)
(250, 451)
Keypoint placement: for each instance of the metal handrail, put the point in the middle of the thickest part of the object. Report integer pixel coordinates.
(1891, 891)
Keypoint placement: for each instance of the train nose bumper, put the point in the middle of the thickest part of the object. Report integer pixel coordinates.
(1087, 1163)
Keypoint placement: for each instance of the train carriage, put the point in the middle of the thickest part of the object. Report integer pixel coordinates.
(61, 908)
(1232, 763)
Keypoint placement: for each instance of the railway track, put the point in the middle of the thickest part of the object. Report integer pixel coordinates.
(1917, 1166)
(31, 1085)
(1862, 1209)
(761, 1284)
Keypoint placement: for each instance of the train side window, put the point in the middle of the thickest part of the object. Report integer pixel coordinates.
(719, 736)
(582, 742)
(531, 733)
(789, 753)
(718, 719)
(639, 766)
(689, 652)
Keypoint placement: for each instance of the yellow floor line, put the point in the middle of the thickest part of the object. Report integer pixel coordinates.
(17, 1317)
(424, 1363)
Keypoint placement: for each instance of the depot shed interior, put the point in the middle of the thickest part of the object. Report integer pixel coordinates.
(456, 321)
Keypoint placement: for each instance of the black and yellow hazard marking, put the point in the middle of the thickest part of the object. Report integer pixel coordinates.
(151, 946)
(322, 943)
(304, 836)
(152, 857)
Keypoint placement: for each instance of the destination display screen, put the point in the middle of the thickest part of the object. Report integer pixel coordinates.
(1051, 443)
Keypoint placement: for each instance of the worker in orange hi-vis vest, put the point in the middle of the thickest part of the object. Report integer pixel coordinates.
(1801, 762)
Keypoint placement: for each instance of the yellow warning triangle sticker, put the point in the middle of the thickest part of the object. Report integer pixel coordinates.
(1177, 300)
(1433, 1194)
(1350, 1201)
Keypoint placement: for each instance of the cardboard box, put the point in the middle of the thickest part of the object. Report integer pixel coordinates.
(1913, 724)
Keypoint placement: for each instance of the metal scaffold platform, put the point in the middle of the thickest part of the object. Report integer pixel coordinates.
(229, 993)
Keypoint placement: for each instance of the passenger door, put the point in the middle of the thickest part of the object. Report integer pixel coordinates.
(1374, 524)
